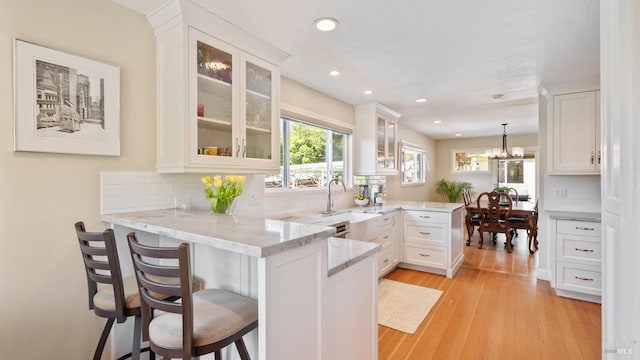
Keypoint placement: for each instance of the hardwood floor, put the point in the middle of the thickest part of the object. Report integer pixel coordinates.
(494, 308)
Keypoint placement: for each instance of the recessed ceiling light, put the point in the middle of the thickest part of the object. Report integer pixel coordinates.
(368, 92)
(458, 134)
(497, 96)
(334, 73)
(421, 100)
(325, 24)
(437, 121)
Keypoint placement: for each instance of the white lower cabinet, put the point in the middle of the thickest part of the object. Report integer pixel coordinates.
(385, 230)
(432, 241)
(578, 259)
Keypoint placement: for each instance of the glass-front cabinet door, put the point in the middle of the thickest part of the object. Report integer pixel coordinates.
(391, 145)
(386, 140)
(381, 142)
(260, 114)
(233, 107)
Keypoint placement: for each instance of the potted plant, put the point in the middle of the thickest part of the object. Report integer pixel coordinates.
(452, 190)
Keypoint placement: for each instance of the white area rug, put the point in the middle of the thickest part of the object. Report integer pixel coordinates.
(403, 306)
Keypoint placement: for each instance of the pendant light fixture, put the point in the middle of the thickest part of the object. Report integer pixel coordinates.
(496, 153)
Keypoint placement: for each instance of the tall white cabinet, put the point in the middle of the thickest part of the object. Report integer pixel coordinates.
(620, 84)
(218, 94)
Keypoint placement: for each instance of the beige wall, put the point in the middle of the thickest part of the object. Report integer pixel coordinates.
(395, 190)
(43, 307)
(483, 181)
(296, 94)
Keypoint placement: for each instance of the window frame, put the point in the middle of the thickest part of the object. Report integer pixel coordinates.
(322, 121)
(424, 163)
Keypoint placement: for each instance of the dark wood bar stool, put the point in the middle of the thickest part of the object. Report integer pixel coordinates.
(117, 298)
(199, 322)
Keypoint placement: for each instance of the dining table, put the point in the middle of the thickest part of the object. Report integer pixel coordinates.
(524, 211)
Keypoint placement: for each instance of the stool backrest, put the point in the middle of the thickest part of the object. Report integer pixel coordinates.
(100, 257)
(153, 263)
(494, 217)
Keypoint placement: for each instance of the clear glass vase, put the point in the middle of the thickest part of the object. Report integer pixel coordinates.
(222, 206)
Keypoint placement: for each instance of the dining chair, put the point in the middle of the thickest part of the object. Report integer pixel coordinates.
(110, 295)
(472, 218)
(494, 218)
(198, 323)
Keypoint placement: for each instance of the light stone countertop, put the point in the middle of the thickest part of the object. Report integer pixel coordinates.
(574, 215)
(255, 237)
(343, 253)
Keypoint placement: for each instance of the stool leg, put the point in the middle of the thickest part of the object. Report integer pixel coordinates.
(137, 331)
(242, 349)
(103, 339)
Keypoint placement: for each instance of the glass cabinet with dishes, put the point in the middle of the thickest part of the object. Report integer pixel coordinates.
(377, 140)
(217, 101)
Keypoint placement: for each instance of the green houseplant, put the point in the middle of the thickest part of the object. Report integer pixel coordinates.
(452, 190)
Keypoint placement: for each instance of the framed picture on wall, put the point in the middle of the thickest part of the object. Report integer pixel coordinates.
(64, 103)
(469, 161)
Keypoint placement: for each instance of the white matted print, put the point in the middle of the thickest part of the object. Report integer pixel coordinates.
(65, 103)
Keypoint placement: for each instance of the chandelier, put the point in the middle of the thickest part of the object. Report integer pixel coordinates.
(496, 153)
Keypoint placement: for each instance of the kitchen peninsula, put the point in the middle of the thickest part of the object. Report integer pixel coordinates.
(316, 293)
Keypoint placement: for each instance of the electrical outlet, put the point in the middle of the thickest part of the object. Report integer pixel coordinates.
(253, 199)
(560, 193)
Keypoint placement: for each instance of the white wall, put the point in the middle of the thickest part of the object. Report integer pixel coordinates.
(43, 310)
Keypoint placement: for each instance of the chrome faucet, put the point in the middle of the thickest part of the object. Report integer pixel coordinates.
(329, 201)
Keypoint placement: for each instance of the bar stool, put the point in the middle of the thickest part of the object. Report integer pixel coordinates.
(117, 298)
(200, 322)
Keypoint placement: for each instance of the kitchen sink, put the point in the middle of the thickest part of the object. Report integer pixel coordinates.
(337, 217)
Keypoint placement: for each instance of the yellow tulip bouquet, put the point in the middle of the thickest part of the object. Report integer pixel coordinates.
(222, 192)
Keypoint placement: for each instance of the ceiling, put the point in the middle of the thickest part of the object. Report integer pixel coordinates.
(455, 53)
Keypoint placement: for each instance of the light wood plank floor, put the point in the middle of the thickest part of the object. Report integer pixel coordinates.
(494, 308)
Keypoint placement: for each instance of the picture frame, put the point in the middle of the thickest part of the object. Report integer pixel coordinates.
(64, 103)
(474, 161)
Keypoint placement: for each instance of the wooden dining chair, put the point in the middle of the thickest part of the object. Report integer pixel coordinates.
(472, 218)
(197, 323)
(494, 218)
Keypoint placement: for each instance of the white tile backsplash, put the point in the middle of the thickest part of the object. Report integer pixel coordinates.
(127, 191)
(582, 193)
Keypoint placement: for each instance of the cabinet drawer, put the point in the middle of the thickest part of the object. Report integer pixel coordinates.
(385, 261)
(426, 234)
(582, 249)
(386, 221)
(385, 239)
(579, 278)
(426, 216)
(584, 228)
(433, 256)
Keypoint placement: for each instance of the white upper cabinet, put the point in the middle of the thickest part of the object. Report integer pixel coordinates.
(377, 144)
(218, 94)
(576, 133)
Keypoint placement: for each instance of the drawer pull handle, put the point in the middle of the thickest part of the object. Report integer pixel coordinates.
(584, 228)
(386, 237)
(425, 217)
(386, 219)
(425, 233)
(584, 250)
(386, 261)
(582, 278)
(425, 255)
